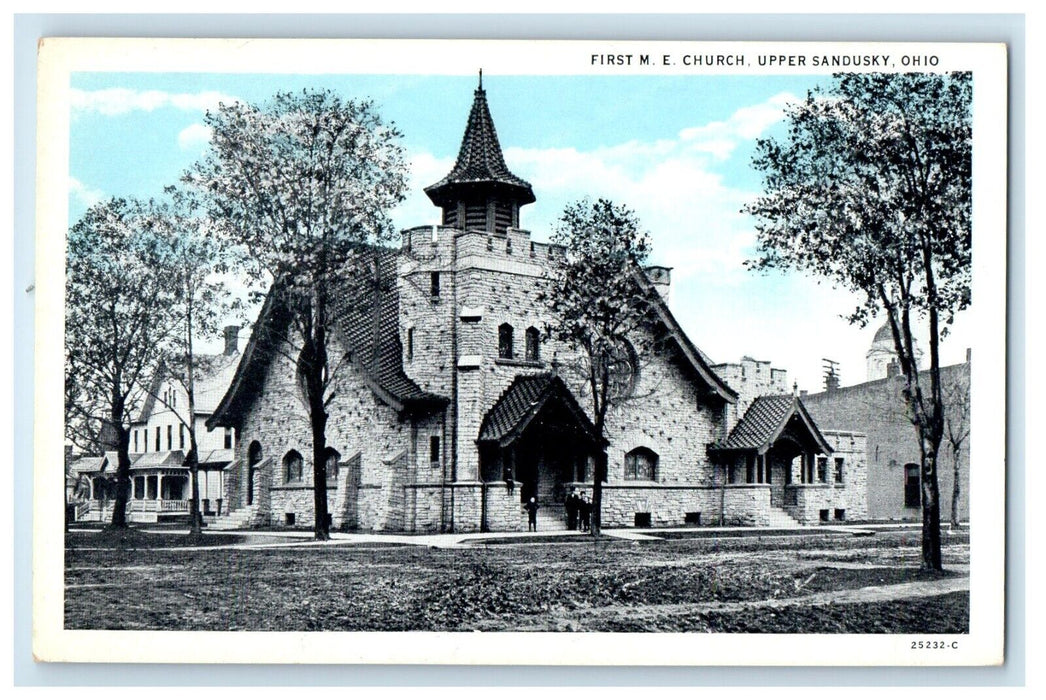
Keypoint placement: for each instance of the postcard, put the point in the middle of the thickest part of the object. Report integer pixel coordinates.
(520, 352)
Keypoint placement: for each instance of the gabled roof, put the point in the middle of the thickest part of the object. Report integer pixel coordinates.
(212, 377)
(696, 359)
(157, 460)
(480, 160)
(216, 457)
(765, 421)
(89, 465)
(523, 401)
(367, 326)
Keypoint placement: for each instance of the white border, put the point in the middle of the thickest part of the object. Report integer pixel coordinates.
(59, 57)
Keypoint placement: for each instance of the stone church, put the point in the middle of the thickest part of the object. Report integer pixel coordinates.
(452, 407)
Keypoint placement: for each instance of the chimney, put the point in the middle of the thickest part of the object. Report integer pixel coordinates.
(232, 340)
(967, 355)
(661, 277)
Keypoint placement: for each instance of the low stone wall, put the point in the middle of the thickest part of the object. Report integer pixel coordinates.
(297, 501)
(466, 505)
(503, 510)
(746, 504)
(423, 502)
(805, 502)
(674, 506)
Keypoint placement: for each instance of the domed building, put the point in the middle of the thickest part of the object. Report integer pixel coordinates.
(881, 357)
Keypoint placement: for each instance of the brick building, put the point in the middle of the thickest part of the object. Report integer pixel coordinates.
(878, 407)
(451, 407)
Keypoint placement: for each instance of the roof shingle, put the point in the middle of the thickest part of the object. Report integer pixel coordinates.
(764, 422)
(522, 401)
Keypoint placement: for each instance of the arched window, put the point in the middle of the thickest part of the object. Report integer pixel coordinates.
(505, 341)
(623, 367)
(293, 466)
(333, 457)
(533, 351)
(254, 453)
(641, 465)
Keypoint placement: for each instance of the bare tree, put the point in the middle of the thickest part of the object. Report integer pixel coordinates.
(957, 431)
(194, 261)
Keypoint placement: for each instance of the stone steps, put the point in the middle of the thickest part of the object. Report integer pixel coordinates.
(778, 517)
(237, 520)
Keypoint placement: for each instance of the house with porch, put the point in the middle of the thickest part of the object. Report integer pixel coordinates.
(160, 481)
(450, 408)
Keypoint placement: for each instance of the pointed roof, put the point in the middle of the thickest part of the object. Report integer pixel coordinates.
(696, 359)
(369, 330)
(766, 420)
(523, 401)
(480, 163)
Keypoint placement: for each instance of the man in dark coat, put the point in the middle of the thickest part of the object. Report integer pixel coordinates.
(532, 515)
(585, 508)
(572, 509)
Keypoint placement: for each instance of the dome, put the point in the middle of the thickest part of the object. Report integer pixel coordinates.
(883, 335)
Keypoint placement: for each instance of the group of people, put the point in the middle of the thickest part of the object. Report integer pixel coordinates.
(579, 511)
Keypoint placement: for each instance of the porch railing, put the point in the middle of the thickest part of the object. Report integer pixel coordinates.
(174, 506)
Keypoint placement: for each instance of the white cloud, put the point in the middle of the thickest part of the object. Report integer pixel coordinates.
(674, 186)
(721, 138)
(194, 137)
(116, 101)
(83, 194)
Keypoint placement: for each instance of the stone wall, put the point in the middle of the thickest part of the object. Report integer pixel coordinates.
(751, 379)
(877, 409)
(670, 506)
(833, 500)
(496, 279)
(359, 425)
(502, 509)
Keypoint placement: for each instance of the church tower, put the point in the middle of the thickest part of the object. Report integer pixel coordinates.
(480, 193)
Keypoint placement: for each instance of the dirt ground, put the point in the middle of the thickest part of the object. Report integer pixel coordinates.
(822, 583)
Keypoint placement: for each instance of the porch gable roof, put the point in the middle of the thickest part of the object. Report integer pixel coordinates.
(765, 421)
(521, 403)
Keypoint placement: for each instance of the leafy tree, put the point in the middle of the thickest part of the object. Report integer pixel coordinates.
(871, 189)
(304, 184)
(599, 307)
(116, 320)
(194, 262)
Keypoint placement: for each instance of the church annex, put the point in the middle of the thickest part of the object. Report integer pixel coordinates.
(452, 408)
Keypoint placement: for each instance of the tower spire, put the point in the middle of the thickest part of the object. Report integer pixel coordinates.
(480, 192)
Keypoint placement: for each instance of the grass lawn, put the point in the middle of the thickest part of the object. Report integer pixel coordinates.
(771, 584)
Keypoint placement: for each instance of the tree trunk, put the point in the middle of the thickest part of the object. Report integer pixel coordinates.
(312, 364)
(956, 489)
(123, 470)
(931, 544)
(195, 516)
(599, 474)
(321, 528)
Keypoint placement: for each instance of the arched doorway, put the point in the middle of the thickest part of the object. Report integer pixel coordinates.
(254, 455)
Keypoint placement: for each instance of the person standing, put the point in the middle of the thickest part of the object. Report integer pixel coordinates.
(585, 508)
(572, 510)
(532, 515)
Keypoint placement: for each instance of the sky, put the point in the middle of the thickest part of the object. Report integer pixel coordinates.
(675, 149)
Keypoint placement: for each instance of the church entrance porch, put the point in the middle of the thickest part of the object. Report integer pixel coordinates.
(537, 438)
